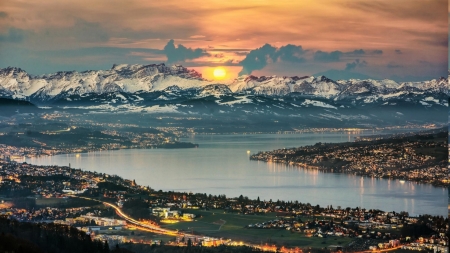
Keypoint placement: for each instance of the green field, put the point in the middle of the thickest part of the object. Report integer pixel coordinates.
(209, 223)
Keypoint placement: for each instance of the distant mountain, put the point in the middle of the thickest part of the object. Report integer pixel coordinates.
(13, 106)
(16, 83)
(158, 88)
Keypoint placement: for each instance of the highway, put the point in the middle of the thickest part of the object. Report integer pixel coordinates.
(159, 230)
(152, 228)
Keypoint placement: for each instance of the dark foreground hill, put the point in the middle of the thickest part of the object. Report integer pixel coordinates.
(9, 107)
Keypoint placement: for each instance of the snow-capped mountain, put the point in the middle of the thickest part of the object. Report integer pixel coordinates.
(161, 89)
(16, 83)
(326, 88)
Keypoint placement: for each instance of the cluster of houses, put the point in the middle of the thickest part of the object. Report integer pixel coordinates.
(385, 160)
(12, 172)
(353, 222)
(421, 246)
(166, 213)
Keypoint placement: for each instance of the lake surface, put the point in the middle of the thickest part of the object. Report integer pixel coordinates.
(221, 165)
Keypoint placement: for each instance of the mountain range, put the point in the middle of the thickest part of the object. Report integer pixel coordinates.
(158, 88)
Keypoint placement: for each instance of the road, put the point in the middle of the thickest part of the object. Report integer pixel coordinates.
(159, 230)
(136, 223)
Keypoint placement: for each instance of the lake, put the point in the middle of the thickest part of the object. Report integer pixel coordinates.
(221, 165)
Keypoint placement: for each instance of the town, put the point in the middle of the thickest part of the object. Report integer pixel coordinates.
(420, 158)
(58, 132)
(110, 208)
(52, 137)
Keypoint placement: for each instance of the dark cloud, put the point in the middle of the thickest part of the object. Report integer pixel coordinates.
(218, 55)
(240, 53)
(354, 64)
(377, 51)
(230, 62)
(362, 53)
(398, 51)
(13, 35)
(181, 53)
(3, 14)
(356, 52)
(229, 49)
(393, 65)
(259, 58)
(334, 56)
(290, 53)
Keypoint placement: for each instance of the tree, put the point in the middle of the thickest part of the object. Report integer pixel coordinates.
(106, 247)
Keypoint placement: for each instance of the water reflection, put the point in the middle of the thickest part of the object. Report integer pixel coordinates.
(221, 165)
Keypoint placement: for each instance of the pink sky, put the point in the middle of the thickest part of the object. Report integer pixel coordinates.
(411, 35)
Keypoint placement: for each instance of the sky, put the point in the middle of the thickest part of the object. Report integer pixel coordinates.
(404, 40)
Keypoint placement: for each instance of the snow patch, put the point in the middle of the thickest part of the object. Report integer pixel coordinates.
(386, 96)
(18, 97)
(121, 96)
(318, 104)
(431, 99)
(138, 98)
(161, 109)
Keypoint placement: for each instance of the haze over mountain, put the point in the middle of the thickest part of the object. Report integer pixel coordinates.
(158, 88)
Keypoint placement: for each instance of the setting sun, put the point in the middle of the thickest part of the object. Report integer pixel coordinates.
(219, 73)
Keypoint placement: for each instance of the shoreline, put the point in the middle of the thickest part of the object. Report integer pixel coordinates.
(380, 156)
(285, 162)
(309, 130)
(326, 170)
(160, 146)
(128, 183)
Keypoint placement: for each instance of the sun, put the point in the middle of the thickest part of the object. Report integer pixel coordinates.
(219, 73)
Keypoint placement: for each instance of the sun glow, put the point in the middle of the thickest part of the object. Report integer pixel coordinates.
(219, 73)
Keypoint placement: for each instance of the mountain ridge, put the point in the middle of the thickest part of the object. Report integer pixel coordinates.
(275, 101)
(124, 78)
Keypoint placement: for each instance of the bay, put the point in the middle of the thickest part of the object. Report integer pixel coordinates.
(221, 165)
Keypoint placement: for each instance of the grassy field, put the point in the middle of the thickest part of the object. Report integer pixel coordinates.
(67, 203)
(232, 226)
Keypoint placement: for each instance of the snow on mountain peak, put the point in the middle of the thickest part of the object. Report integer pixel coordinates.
(120, 78)
(132, 78)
